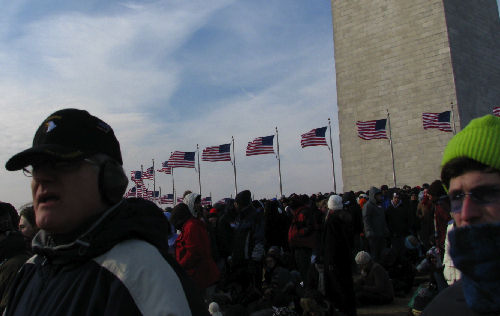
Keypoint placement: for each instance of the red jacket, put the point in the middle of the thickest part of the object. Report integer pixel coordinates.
(193, 253)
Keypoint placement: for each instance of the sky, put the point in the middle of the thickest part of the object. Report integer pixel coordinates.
(168, 75)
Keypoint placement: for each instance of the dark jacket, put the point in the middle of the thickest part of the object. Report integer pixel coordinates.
(118, 266)
(374, 217)
(450, 301)
(12, 256)
(302, 231)
(398, 219)
(377, 281)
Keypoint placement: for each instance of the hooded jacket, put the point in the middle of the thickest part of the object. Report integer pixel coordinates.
(119, 265)
(189, 201)
(374, 217)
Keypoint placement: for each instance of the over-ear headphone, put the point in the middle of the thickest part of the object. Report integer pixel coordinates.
(112, 182)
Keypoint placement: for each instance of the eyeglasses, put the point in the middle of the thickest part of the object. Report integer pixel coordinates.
(58, 166)
(482, 195)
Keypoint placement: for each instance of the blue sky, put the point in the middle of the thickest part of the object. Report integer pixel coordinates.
(168, 75)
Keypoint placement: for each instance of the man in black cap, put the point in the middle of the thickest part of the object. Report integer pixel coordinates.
(13, 253)
(96, 253)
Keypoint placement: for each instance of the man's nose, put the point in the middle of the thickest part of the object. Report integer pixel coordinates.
(471, 211)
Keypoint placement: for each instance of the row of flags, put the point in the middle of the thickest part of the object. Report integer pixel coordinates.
(140, 192)
(376, 129)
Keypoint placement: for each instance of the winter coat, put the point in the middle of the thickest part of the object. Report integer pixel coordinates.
(377, 281)
(374, 217)
(398, 221)
(450, 273)
(193, 253)
(450, 301)
(302, 231)
(119, 265)
(249, 236)
(12, 256)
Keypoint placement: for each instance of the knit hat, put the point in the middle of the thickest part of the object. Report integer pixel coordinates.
(362, 257)
(335, 203)
(479, 140)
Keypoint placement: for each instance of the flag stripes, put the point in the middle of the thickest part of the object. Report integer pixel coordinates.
(217, 153)
(181, 159)
(315, 137)
(374, 129)
(496, 111)
(441, 121)
(260, 146)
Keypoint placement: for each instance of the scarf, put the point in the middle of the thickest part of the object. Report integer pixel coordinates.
(475, 251)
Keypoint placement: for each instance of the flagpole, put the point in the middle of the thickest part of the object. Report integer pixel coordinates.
(154, 181)
(199, 171)
(142, 180)
(159, 196)
(333, 161)
(392, 151)
(453, 119)
(173, 186)
(279, 161)
(234, 169)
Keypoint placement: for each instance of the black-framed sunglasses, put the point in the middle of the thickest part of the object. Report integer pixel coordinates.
(482, 195)
(56, 165)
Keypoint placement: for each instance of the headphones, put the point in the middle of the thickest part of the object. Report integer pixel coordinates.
(112, 182)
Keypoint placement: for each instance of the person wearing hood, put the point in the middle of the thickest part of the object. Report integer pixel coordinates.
(193, 201)
(337, 257)
(192, 248)
(13, 253)
(397, 217)
(471, 174)
(96, 253)
(374, 223)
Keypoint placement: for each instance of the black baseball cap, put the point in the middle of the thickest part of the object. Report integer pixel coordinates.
(69, 135)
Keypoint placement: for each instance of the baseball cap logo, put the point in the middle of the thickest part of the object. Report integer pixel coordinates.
(50, 126)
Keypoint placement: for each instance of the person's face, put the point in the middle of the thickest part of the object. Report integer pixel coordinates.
(64, 198)
(395, 200)
(26, 228)
(484, 204)
(378, 197)
(270, 262)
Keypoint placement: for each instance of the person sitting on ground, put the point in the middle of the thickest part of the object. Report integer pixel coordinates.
(374, 287)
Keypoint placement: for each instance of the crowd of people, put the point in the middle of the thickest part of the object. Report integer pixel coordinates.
(81, 249)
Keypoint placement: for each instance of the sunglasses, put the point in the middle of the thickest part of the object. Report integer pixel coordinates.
(54, 165)
(482, 195)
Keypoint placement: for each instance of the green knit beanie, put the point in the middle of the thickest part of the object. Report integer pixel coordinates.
(479, 140)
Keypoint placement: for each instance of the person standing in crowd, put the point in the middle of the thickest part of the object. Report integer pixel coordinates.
(13, 253)
(353, 208)
(471, 173)
(441, 207)
(337, 257)
(374, 222)
(248, 242)
(374, 287)
(398, 223)
(192, 248)
(193, 201)
(91, 248)
(425, 215)
(302, 236)
(27, 225)
(386, 196)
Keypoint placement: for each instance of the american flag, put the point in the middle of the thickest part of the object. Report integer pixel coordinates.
(181, 159)
(167, 199)
(217, 153)
(261, 146)
(315, 137)
(206, 201)
(136, 176)
(372, 129)
(496, 111)
(441, 121)
(165, 168)
(149, 174)
(132, 192)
